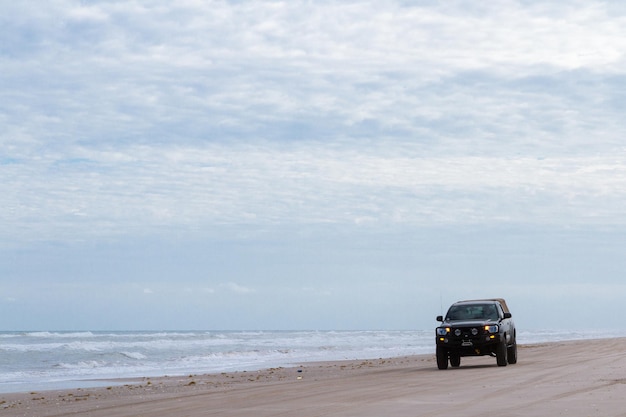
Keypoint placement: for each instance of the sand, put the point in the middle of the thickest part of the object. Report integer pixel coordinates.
(581, 378)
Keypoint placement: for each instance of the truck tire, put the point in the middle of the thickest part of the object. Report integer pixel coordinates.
(501, 354)
(511, 353)
(455, 359)
(442, 358)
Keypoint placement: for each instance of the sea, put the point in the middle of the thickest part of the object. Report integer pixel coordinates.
(61, 360)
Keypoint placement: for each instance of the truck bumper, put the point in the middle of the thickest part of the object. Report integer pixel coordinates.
(475, 346)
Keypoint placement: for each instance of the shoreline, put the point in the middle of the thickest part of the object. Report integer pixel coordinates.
(587, 371)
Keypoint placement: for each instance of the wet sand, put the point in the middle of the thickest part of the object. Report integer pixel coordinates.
(581, 378)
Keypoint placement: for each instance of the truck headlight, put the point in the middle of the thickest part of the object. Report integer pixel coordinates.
(442, 331)
(491, 329)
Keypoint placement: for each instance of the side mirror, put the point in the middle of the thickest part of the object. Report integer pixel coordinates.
(439, 318)
(507, 315)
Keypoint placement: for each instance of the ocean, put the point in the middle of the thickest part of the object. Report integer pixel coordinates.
(50, 360)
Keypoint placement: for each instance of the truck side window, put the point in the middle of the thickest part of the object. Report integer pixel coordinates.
(500, 311)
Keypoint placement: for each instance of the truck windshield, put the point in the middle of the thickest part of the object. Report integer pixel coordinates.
(472, 312)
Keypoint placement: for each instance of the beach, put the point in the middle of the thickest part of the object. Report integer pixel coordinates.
(573, 378)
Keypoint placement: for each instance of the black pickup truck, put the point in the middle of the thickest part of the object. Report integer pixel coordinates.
(476, 328)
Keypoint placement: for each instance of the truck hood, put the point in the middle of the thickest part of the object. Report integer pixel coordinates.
(470, 323)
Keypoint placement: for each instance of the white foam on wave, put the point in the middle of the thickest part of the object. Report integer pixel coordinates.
(82, 366)
(133, 355)
(64, 335)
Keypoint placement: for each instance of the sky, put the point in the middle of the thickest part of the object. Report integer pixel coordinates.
(310, 164)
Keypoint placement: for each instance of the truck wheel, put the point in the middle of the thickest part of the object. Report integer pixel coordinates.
(442, 358)
(511, 353)
(455, 360)
(501, 354)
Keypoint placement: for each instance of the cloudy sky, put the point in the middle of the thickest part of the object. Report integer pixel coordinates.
(310, 164)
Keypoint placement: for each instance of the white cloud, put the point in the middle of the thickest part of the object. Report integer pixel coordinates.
(257, 67)
(87, 14)
(124, 118)
(142, 189)
(240, 289)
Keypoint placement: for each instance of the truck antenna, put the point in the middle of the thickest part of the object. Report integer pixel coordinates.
(441, 302)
